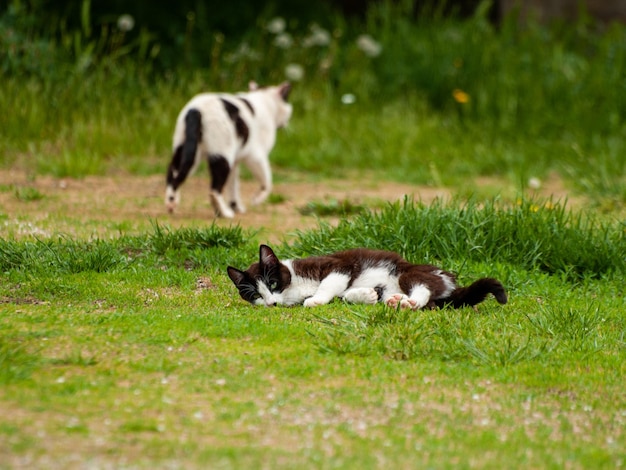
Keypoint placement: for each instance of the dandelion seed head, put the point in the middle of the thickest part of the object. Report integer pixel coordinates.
(318, 37)
(276, 25)
(125, 23)
(534, 183)
(369, 45)
(348, 98)
(294, 72)
(283, 41)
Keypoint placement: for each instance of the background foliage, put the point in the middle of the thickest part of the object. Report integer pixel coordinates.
(91, 88)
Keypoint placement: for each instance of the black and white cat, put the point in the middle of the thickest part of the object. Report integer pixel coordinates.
(227, 130)
(357, 276)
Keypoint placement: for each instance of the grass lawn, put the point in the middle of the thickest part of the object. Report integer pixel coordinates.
(137, 351)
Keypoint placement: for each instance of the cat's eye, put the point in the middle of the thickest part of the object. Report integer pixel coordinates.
(273, 286)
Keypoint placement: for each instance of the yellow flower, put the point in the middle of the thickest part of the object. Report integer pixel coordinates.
(460, 96)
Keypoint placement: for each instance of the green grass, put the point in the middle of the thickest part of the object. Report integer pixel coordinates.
(139, 349)
(332, 207)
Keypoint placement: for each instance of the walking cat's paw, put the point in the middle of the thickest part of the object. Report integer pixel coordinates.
(221, 208)
(238, 207)
(172, 198)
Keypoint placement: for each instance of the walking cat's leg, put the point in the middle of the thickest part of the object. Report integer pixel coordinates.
(220, 170)
(260, 168)
(231, 190)
(331, 286)
(361, 295)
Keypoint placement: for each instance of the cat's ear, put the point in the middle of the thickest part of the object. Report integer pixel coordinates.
(267, 256)
(252, 85)
(235, 275)
(284, 89)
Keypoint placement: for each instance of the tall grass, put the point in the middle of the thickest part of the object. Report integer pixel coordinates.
(531, 234)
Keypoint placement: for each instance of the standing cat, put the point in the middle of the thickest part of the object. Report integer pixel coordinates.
(227, 130)
(357, 276)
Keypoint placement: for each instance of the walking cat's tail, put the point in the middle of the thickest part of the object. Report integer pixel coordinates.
(184, 157)
(474, 294)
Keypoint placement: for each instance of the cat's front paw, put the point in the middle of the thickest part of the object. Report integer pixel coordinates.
(401, 301)
(221, 208)
(313, 302)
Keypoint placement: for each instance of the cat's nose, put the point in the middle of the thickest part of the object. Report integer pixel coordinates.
(270, 303)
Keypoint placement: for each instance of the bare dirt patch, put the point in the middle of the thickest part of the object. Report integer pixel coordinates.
(109, 205)
(133, 202)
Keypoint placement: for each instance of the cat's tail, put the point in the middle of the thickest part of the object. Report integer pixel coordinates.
(474, 294)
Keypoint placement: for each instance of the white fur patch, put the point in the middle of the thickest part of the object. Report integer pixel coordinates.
(377, 276)
(420, 294)
(267, 298)
(448, 282)
(299, 289)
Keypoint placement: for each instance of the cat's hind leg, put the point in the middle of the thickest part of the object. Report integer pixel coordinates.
(260, 168)
(220, 170)
(361, 295)
(419, 297)
(400, 301)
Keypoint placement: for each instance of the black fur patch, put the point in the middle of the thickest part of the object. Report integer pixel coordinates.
(247, 103)
(220, 169)
(240, 126)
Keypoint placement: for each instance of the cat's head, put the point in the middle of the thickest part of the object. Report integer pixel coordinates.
(278, 97)
(263, 282)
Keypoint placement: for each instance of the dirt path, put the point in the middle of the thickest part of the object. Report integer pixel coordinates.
(99, 205)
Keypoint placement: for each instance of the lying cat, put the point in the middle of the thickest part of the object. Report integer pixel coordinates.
(227, 130)
(358, 276)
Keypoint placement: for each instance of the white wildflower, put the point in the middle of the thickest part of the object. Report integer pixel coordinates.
(534, 183)
(318, 37)
(348, 98)
(283, 41)
(369, 45)
(125, 23)
(276, 25)
(294, 72)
